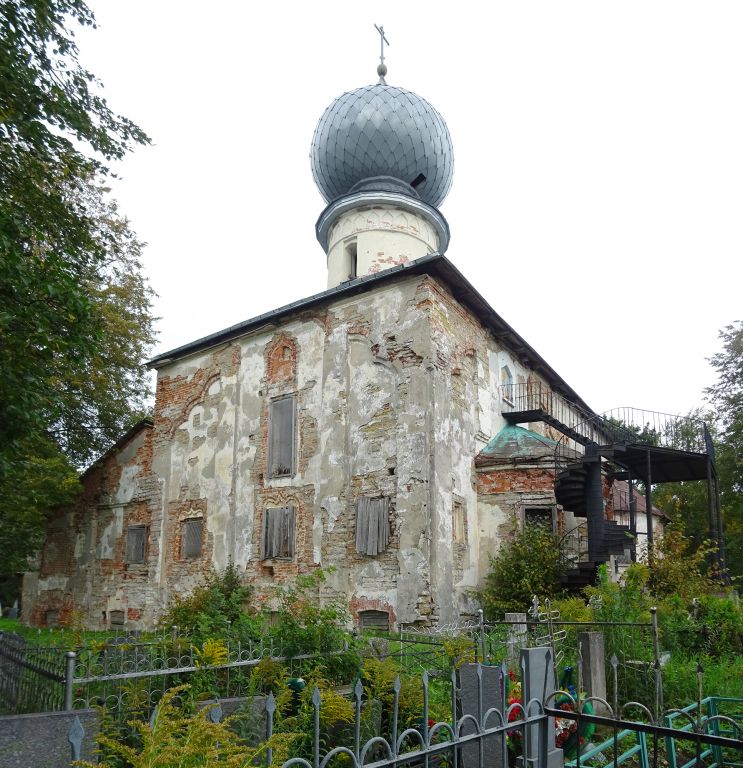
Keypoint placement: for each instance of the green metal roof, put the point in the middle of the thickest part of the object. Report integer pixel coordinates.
(514, 442)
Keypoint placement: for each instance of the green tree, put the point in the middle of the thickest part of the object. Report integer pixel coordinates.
(42, 478)
(687, 501)
(74, 309)
(530, 564)
(726, 399)
(53, 243)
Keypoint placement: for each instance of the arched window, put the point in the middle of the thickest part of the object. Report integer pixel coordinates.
(506, 384)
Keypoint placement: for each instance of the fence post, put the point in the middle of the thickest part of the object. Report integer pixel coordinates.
(69, 677)
(659, 706)
(482, 634)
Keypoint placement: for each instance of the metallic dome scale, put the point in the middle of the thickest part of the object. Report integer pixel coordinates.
(381, 130)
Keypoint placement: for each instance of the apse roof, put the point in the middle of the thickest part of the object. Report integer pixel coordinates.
(516, 442)
(435, 265)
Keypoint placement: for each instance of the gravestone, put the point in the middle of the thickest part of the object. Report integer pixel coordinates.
(538, 682)
(493, 696)
(593, 667)
(517, 637)
(43, 740)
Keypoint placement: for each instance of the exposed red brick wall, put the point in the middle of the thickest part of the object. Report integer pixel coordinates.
(515, 480)
(176, 396)
(177, 567)
(359, 604)
(281, 359)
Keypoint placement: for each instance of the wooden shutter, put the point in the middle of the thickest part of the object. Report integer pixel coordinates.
(191, 538)
(379, 620)
(281, 437)
(116, 618)
(372, 525)
(136, 539)
(278, 532)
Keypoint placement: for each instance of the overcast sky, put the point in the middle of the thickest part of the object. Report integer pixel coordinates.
(597, 201)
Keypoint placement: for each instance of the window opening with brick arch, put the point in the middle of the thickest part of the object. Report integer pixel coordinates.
(192, 531)
(374, 620)
(52, 618)
(278, 533)
(282, 437)
(136, 543)
(372, 525)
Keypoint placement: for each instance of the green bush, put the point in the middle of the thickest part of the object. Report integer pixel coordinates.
(530, 564)
(709, 626)
(215, 609)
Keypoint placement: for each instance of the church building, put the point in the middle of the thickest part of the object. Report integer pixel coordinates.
(393, 430)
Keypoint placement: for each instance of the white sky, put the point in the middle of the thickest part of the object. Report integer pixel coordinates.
(598, 189)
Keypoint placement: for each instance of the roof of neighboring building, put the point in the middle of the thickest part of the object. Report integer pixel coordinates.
(514, 442)
(620, 491)
(435, 265)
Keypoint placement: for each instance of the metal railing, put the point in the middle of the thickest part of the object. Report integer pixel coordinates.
(573, 545)
(31, 677)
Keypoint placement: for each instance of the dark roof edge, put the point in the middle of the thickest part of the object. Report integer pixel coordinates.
(434, 264)
(146, 423)
(467, 294)
(349, 288)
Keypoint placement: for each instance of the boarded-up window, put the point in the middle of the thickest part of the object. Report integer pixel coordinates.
(191, 534)
(136, 540)
(52, 618)
(379, 620)
(372, 525)
(278, 532)
(281, 437)
(116, 618)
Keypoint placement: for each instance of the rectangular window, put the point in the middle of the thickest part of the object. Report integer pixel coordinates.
(374, 620)
(191, 535)
(278, 533)
(116, 618)
(538, 516)
(281, 437)
(136, 541)
(459, 523)
(372, 525)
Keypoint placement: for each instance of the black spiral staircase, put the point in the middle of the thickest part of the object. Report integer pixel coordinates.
(572, 492)
(624, 444)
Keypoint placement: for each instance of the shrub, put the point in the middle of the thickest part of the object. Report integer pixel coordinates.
(214, 609)
(530, 564)
(679, 567)
(177, 738)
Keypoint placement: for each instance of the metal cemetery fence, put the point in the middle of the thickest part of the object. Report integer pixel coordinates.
(483, 730)
(31, 678)
(127, 673)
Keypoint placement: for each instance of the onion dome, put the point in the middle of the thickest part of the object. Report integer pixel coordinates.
(378, 134)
